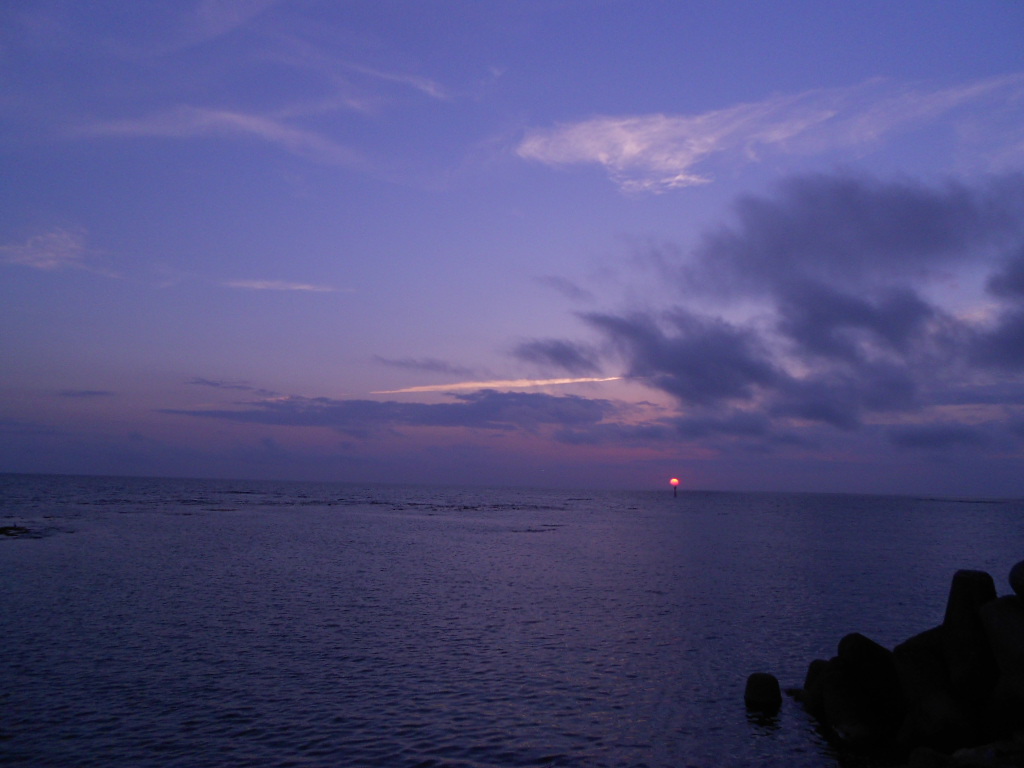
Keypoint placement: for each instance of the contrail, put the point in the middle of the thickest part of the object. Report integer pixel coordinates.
(500, 384)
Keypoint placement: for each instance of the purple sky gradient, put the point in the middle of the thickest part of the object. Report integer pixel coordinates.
(774, 246)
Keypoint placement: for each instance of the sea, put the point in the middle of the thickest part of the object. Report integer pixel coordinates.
(170, 622)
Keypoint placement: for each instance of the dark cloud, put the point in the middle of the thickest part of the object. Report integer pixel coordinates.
(1003, 346)
(730, 424)
(938, 436)
(567, 355)
(86, 393)
(22, 428)
(840, 398)
(426, 364)
(240, 386)
(613, 433)
(841, 328)
(1008, 282)
(714, 430)
(566, 287)
(480, 410)
(829, 322)
(841, 228)
(700, 360)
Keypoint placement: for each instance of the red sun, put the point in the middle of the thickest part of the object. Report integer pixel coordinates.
(674, 482)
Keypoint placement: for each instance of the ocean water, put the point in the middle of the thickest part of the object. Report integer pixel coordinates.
(230, 623)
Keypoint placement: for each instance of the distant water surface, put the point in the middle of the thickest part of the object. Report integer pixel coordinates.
(217, 623)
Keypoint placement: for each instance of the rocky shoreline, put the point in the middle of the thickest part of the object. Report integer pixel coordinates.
(952, 695)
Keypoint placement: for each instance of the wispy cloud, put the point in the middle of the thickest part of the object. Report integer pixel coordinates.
(53, 250)
(214, 18)
(86, 394)
(278, 285)
(241, 386)
(563, 355)
(569, 289)
(424, 85)
(659, 152)
(489, 410)
(497, 384)
(191, 122)
(430, 364)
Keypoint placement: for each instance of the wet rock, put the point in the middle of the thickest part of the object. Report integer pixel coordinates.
(13, 530)
(762, 693)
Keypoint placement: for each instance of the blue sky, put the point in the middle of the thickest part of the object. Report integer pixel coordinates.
(770, 246)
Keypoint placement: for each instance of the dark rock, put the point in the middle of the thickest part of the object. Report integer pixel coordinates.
(968, 658)
(13, 530)
(934, 717)
(926, 757)
(862, 700)
(813, 696)
(763, 693)
(1017, 578)
(968, 592)
(920, 663)
(1004, 625)
(1003, 620)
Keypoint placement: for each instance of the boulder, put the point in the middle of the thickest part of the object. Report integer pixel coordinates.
(1017, 579)
(763, 693)
(1004, 626)
(968, 658)
(813, 691)
(862, 702)
(934, 717)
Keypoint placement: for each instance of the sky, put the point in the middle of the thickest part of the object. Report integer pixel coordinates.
(571, 243)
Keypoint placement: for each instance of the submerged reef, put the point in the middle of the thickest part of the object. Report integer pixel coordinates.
(952, 695)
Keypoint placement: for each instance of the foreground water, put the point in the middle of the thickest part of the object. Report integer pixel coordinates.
(215, 623)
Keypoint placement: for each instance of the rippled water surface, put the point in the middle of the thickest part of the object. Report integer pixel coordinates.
(215, 623)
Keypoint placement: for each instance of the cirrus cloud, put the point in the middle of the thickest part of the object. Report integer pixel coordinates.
(660, 152)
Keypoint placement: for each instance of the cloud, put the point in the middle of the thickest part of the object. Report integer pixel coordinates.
(86, 394)
(659, 152)
(848, 229)
(831, 323)
(428, 364)
(699, 359)
(937, 436)
(572, 357)
(424, 85)
(1003, 346)
(497, 384)
(57, 249)
(241, 386)
(1008, 281)
(656, 153)
(488, 410)
(277, 285)
(849, 343)
(215, 18)
(566, 287)
(186, 122)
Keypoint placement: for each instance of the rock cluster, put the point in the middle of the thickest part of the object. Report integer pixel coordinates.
(951, 695)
